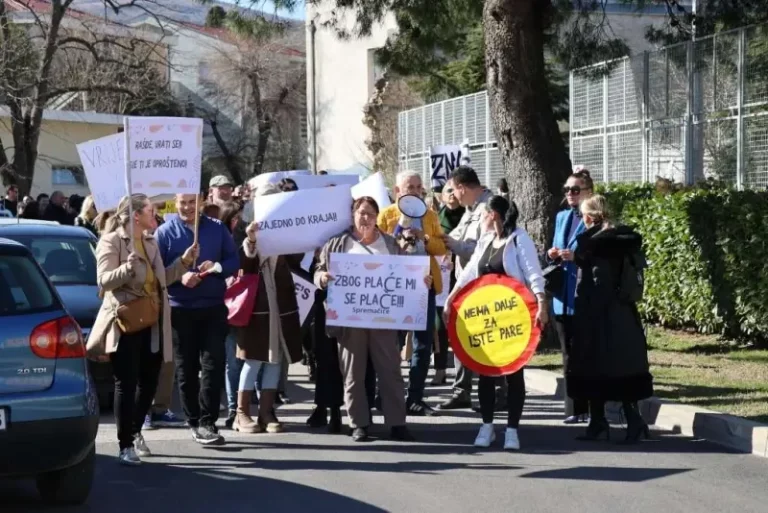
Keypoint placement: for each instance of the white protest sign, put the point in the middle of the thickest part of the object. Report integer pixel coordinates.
(306, 262)
(374, 187)
(444, 160)
(446, 270)
(275, 177)
(320, 181)
(104, 165)
(305, 296)
(165, 155)
(385, 292)
(301, 221)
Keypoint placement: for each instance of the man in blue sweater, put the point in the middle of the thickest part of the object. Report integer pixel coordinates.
(198, 314)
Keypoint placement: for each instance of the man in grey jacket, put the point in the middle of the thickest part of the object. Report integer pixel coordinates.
(470, 193)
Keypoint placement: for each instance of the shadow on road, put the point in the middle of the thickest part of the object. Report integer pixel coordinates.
(120, 489)
(611, 474)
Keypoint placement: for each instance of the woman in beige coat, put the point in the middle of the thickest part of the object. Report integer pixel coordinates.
(127, 270)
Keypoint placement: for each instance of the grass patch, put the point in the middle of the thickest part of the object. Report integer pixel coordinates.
(700, 370)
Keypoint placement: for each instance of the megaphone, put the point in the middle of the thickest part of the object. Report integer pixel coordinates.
(412, 210)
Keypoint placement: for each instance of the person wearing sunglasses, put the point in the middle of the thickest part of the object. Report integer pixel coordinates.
(568, 226)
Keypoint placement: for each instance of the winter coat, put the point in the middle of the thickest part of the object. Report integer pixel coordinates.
(119, 286)
(253, 341)
(609, 355)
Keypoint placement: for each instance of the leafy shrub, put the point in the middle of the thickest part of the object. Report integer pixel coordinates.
(707, 250)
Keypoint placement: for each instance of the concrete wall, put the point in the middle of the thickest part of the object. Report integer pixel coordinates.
(344, 80)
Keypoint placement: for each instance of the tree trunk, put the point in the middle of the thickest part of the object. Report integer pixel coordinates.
(532, 149)
(265, 130)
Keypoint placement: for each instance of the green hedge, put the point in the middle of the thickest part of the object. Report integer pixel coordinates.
(708, 254)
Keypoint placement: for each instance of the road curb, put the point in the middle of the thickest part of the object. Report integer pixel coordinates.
(734, 432)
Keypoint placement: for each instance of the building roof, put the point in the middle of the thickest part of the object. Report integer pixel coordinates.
(174, 15)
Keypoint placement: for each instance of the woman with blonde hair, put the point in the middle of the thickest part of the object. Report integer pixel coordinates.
(87, 217)
(609, 356)
(133, 327)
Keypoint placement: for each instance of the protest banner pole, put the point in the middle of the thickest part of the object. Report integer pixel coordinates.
(127, 156)
(197, 222)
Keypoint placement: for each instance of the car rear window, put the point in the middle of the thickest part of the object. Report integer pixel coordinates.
(23, 288)
(66, 260)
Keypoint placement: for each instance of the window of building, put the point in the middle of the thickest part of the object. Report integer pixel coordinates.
(67, 175)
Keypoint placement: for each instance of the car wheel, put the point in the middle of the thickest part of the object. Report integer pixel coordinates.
(70, 485)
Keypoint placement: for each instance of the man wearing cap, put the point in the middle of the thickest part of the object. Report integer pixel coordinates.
(428, 236)
(221, 189)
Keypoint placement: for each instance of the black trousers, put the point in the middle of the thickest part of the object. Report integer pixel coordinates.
(441, 358)
(564, 327)
(486, 391)
(136, 370)
(200, 346)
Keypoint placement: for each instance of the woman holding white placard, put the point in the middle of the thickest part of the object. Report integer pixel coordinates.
(356, 344)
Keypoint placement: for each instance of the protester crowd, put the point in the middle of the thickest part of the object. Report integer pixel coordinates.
(164, 317)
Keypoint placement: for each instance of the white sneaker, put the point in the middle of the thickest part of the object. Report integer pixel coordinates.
(141, 446)
(128, 457)
(511, 441)
(486, 436)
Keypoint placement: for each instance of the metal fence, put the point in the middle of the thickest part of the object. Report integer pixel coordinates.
(685, 112)
(453, 121)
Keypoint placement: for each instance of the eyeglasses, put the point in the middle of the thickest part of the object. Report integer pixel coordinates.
(576, 189)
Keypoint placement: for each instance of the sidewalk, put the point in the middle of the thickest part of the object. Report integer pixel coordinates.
(727, 430)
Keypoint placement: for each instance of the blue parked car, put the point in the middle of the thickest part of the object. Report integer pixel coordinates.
(67, 255)
(49, 413)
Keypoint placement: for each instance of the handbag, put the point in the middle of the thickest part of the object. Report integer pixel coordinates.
(137, 314)
(554, 279)
(240, 299)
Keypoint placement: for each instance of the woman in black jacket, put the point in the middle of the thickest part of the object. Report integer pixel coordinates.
(609, 360)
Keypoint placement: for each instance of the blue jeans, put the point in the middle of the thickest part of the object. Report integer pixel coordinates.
(253, 369)
(234, 367)
(422, 352)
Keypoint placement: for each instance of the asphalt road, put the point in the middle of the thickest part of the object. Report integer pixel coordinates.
(303, 471)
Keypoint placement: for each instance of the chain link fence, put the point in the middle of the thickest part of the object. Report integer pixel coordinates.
(453, 121)
(686, 112)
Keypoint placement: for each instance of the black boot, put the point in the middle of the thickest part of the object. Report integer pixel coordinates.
(637, 429)
(319, 417)
(598, 425)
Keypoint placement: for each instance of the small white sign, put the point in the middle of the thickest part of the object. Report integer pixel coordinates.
(103, 161)
(3, 419)
(444, 160)
(165, 155)
(385, 292)
(301, 221)
(374, 187)
(446, 270)
(275, 177)
(305, 296)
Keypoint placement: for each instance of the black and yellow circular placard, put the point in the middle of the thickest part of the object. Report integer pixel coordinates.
(492, 326)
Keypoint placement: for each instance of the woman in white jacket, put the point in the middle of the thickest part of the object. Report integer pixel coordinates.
(503, 249)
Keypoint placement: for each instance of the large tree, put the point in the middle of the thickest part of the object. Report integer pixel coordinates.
(264, 78)
(438, 40)
(36, 71)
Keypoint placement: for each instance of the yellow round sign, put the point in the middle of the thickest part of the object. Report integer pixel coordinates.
(492, 327)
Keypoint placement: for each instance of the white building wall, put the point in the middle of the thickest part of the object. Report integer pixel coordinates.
(344, 78)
